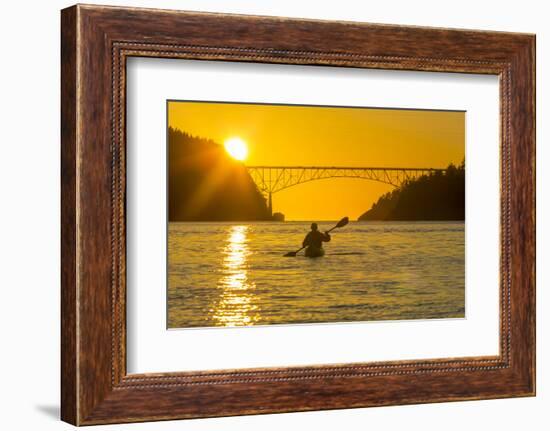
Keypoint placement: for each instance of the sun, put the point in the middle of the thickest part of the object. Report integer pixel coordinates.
(236, 148)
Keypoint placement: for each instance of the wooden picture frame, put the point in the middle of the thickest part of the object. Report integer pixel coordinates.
(95, 43)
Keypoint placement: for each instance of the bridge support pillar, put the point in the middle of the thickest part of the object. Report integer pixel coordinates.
(270, 204)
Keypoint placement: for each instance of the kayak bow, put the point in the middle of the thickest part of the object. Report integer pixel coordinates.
(314, 251)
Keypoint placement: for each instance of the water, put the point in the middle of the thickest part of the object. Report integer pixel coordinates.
(234, 274)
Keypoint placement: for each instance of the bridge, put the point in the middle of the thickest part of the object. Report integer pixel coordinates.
(273, 179)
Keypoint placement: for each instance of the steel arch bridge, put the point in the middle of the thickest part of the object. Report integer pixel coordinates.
(273, 179)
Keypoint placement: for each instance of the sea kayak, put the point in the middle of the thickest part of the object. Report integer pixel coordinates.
(315, 251)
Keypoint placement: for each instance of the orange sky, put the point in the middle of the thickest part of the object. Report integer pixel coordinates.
(328, 136)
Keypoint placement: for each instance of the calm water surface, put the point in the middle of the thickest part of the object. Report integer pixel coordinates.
(234, 274)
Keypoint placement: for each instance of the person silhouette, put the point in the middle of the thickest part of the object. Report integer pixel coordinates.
(314, 241)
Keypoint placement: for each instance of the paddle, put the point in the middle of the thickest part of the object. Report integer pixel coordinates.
(341, 223)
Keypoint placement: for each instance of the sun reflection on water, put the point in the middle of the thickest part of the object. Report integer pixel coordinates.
(236, 306)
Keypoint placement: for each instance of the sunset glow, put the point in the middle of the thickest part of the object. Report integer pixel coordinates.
(236, 148)
(292, 135)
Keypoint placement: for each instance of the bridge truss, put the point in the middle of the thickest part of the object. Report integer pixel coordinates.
(273, 179)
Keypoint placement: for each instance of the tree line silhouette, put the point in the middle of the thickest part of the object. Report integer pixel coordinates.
(437, 196)
(205, 184)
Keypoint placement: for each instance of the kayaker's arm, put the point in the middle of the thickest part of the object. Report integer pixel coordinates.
(305, 242)
(326, 237)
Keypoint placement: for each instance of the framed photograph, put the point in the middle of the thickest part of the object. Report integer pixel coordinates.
(266, 215)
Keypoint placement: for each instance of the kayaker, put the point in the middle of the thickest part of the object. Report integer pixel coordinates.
(314, 241)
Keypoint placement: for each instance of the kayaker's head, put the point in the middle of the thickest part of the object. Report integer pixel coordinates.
(314, 227)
